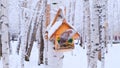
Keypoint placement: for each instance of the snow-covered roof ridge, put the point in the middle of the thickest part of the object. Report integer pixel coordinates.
(59, 11)
(54, 27)
(57, 22)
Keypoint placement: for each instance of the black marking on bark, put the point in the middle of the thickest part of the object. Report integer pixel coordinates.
(86, 0)
(97, 44)
(102, 47)
(94, 52)
(102, 57)
(7, 64)
(54, 56)
(62, 57)
(92, 56)
(97, 49)
(54, 48)
(92, 25)
(1, 22)
(7, 24)
(5, 41)
(54, 3)
(3, 6)
(98, 6)
(46, 61)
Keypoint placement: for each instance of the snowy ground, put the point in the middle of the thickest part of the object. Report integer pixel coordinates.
(75, 59)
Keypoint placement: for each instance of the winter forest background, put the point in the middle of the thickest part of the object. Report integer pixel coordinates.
(24, 25)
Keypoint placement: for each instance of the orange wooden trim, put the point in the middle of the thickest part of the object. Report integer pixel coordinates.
(56, 16)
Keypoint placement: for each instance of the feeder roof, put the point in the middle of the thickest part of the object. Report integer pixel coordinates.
(56, 26)
(57, 22)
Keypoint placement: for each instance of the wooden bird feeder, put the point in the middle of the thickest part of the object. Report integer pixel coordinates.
(58, 28)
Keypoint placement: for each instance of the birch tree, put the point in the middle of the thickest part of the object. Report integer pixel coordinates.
(98, 18)
(40, 44)
(45, 21)
(24, 28)
(0, 33)
(4, 33)
(103, 28)
(52, 59)
(0, 37)
(94, 34)
(70, 8)
(34, 24)
(86, 18)
(0, 47)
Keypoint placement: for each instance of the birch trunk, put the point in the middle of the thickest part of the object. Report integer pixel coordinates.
(0, 34)
(40, 44)
(19, 34)
(24, 28)
(19, 43)
(31, 24)
(31, 41)
(111, 17)
(98, 18)
(52, 59)
(71, 11)
(0, 47)
(86, 19)
(95, 22)
(103, 27)
(4, 33)
(36, 20)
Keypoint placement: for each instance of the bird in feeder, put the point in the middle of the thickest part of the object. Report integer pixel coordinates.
(66, 37)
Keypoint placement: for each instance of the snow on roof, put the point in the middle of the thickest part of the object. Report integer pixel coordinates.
(73, 28)
(61, 13)
(58, 22)
(56, 26)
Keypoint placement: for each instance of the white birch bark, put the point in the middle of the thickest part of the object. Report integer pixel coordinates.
(52, 59)
(94, 33)
(40, 44)
(110, 20)
(24, 28)
(0, 47)
(4, 33)
(70, 9)
(98, 18)
(34, 22)
(103, 27)
(72, 13)
(0, 32)
(86, 19)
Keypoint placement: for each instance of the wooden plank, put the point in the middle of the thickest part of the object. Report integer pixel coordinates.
(47, 15)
